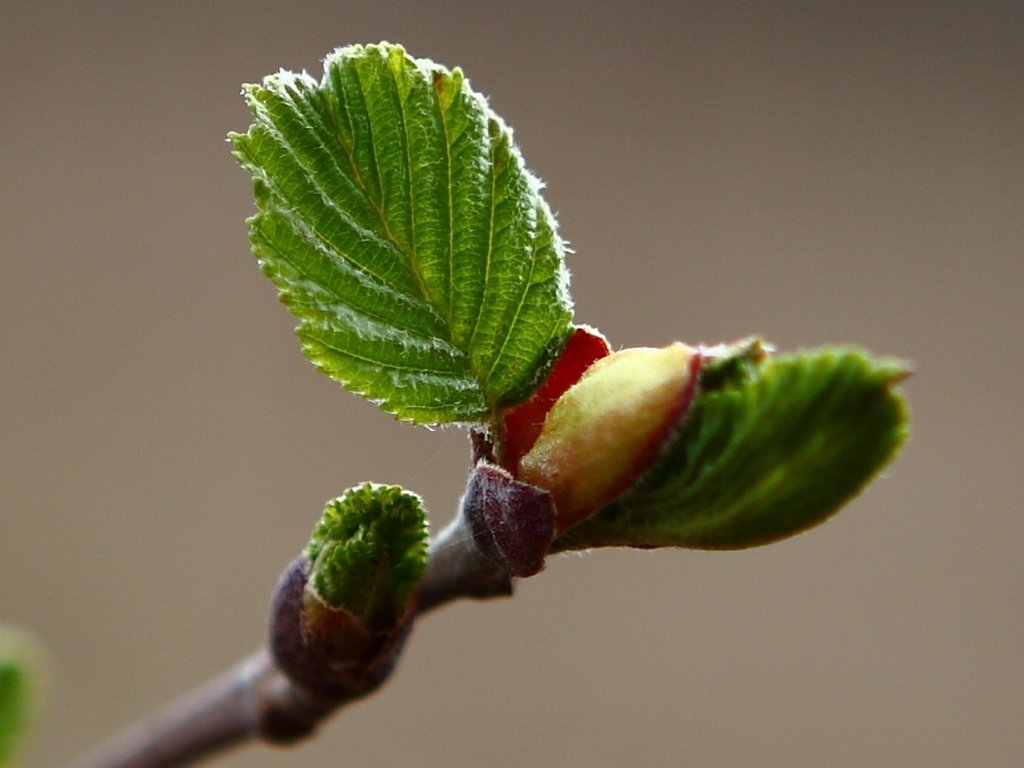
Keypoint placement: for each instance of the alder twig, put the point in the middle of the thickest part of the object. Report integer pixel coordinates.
(223, 712)
(456, 568)
(255, 701)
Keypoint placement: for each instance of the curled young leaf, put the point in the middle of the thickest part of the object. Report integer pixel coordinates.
(368, 553)
(343, 609)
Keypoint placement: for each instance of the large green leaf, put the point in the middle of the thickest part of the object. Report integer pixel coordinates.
(400, 225)
(770, 449)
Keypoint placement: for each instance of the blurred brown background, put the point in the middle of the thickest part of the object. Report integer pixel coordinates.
(811, 172)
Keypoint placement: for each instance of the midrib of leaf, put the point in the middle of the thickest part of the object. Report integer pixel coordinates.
(491, 208)
(448, 141)
(388, 235)
(414, 263)
(320, 238)
(411, 200)
(409, 249)
(377, 204)
(468, 285)
(515, 317)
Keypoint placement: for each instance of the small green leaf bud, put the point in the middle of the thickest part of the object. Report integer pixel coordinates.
(342, 609)
(368, 553)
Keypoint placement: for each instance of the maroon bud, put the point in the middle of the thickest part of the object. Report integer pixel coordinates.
(324, 650)
(512, 522)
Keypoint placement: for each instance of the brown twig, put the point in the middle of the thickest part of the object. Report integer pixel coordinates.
(255, 701)
(219, 714)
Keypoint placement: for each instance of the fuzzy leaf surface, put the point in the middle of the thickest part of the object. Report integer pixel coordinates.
(769, 450)
(369, 551)
(402, 229)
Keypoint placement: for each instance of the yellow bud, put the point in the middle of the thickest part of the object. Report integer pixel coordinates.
(605, 429)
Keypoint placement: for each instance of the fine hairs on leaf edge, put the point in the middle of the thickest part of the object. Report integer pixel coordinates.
(517, 328)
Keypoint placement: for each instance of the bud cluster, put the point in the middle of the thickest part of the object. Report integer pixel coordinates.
(594, 426)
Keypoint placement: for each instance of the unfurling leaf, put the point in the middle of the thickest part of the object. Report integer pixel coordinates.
(769, 449)
(368, 553)
(343, 609)
(402, 229)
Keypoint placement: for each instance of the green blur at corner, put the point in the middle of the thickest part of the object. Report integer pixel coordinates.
(19, 665)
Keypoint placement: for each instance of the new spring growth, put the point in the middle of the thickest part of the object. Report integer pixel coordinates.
(711, 447)
(367, 554)
(594, 425)
(770, 447)
(345, 606)
(607, 428)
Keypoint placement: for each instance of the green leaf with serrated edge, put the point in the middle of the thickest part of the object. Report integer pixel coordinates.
(401, 227)
(773, 449)
(369, 551)
(16, 678)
